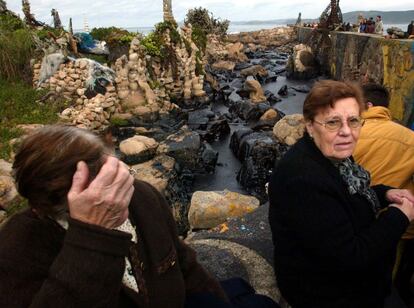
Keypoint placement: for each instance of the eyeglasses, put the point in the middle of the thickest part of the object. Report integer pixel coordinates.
(336, 123)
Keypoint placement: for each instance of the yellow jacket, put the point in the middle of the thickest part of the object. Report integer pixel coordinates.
(386, 150)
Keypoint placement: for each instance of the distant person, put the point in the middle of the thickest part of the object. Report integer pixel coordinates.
(334, 235)
(363, 26)
(410, 29)
(379, 26)
(370, 28)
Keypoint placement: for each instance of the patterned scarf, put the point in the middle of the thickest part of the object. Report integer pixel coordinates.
(358, 181)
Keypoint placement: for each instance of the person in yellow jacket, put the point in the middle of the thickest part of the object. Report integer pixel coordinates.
(386, 150)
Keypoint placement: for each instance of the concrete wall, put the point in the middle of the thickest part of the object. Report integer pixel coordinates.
(367, 57)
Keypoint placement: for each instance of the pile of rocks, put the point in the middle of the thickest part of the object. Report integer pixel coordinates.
(76, 82)
(264, 39)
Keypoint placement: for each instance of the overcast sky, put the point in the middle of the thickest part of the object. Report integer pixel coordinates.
(138, 13)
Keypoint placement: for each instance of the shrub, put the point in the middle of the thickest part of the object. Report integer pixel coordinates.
(204, 20)
(10, 23)
(16, 48)
(113, 36)
(19, 105)
(154, 42)
(199, 38)
(47, 33)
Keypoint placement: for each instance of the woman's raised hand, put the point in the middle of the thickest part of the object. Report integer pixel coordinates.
(104, 202)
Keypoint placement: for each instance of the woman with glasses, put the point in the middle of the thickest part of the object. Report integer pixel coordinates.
(334, 236)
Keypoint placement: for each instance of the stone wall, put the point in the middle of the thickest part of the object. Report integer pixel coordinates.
(366, 57)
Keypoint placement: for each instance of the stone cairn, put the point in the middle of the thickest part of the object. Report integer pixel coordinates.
(167, 9)
(71, 82)
(148, 96)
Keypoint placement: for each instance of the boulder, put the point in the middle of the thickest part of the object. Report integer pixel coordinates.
(234, 98)
(396, 32)
(289, 129)
(209, 157)
(255, 89)
(138, 149)
(283, 91)
(8, 191)
(157, 172)
(211, 208)
(224, 65)
(255, 70)
(163, 173)
(249, 111)
(184, 146)
(271, 98)
(269, 115)
(199, 119)
(215, 130)
(302, 64)
(5, 167)
(258, 152)
(235, 52)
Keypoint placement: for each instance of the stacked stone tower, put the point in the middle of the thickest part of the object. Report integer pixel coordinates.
(167, 8)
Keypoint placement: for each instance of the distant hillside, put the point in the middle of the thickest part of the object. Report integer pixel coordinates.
(391, 17)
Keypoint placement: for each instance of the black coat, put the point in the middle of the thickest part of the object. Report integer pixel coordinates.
(329, 248)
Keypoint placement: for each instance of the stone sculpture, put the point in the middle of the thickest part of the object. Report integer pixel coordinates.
(56, 19)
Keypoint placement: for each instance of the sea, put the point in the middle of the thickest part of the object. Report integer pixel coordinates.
(237, 28)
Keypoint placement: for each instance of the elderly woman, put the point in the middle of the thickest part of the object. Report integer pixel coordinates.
(334, 244)
(91, 237)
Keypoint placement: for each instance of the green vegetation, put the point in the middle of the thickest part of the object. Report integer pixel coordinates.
(118, 121)
(19, 105)
(16, 47)
(48, 33)
(199, 38)
(162, 27)
(10, 23)
(204, 20)
(98, 58)
(113, 36)
(154, 42)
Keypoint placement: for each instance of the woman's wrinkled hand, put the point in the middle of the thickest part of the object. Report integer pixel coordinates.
(407, 207)
(104, 202)
(396, 195)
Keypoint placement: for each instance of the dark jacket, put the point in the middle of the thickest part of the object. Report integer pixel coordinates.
(330, 250)
(42, 265)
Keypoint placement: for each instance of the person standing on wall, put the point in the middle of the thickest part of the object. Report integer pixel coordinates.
(379, 26)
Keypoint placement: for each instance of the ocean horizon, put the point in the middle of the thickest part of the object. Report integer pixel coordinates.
(239, 27)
